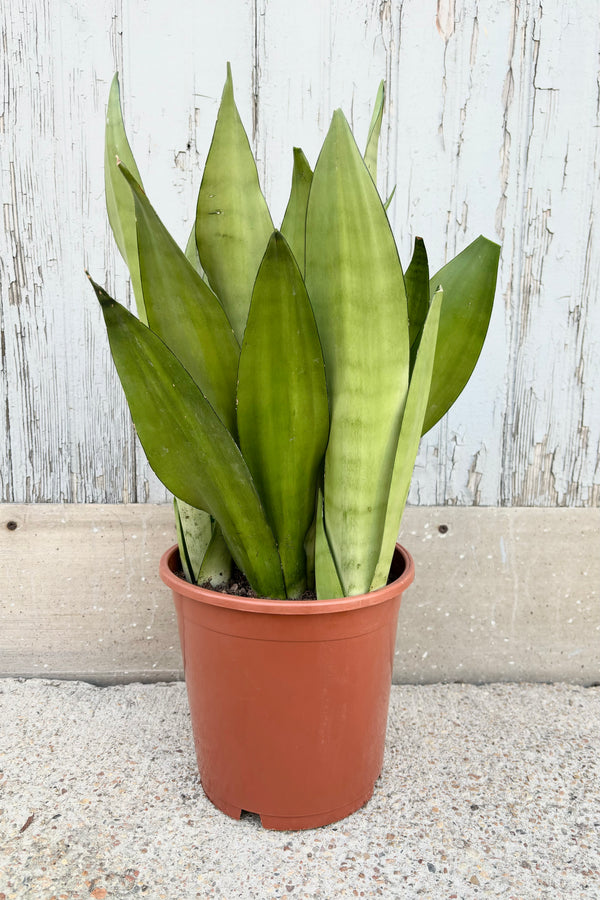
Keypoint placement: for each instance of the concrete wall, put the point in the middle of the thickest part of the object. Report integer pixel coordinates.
(499, 595)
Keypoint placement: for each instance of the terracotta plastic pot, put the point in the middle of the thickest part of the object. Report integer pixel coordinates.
(288, 699)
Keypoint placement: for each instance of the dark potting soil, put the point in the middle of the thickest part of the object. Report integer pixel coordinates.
(239, 586)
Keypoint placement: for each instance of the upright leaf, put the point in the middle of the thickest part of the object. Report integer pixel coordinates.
(119, 202)
(293, 226)
(193, 535)
(408, 442)
(233, 223)
(355, 283)
(216, 563)
(183, 311)
(210, 559)
(469, 283)
(416, 280)
(386, 205)
(327, 582)
(283, 417)
(191, 252)
(374, 132)
(188, 446)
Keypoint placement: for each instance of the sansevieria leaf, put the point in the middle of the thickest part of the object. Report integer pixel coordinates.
(189, 447)
(233, 223)
(374, 132)
(193, 534)
(356, 287)
(469, 284)
(216, 563)
(416, 279)
(183, 311)
(410, 435)
(293, 226)
(282, 413)
(327, 582)
(119, 202)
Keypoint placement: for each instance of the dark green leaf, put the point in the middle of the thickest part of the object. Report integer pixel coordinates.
(188, 446)
(282, 405)
(416, 280)
(469, 284)
(183, 311)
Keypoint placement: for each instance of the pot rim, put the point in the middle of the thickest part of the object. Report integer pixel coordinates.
(170, 562)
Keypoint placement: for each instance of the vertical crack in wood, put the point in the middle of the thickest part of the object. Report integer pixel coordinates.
(515, 302)
(255, 71)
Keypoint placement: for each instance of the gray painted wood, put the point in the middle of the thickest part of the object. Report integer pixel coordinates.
(492, 126)
(499, 594)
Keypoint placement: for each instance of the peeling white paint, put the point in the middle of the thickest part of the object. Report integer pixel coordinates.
(492, 126)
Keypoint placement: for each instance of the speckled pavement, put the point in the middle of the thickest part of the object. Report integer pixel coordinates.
(486, 792)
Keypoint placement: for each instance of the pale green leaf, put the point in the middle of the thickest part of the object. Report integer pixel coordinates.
(293, 226)
(355, 283)
(119, 202)
(408, 442)
(327, 582)
(374, 132)
(233, 223)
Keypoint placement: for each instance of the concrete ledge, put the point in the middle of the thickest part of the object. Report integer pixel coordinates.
(500, 595)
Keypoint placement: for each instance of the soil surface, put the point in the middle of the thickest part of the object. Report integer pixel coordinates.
(239, 586)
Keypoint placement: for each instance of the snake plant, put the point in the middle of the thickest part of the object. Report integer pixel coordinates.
(280, 379)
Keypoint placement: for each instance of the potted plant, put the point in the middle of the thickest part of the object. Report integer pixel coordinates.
(280, 381)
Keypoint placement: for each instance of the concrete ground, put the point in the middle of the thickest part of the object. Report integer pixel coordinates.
(487, 791)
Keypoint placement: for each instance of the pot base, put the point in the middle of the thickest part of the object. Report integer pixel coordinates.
(295, 823)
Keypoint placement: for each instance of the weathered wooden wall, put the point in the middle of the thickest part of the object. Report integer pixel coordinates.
(492, 127)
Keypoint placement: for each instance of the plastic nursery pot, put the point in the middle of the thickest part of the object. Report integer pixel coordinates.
(288, 698)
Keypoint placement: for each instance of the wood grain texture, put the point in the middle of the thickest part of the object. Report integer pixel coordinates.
(492, 126)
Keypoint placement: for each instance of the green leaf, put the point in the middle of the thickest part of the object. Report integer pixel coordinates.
(212, 560)
(408, 442)
(191, 252)
(283, 417)
(216, 563)
(469, 283)
(327, 582)
(189, 447)
(355, 283)
(183, 311)
(416, 279)
(184, 556)
(119, 202)
(293, 226)
(386, 205)
(374, 132)
(194, 533)
(233, 223)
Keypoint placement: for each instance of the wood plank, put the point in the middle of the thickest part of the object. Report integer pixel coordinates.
(499, 595)
(492, 125)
